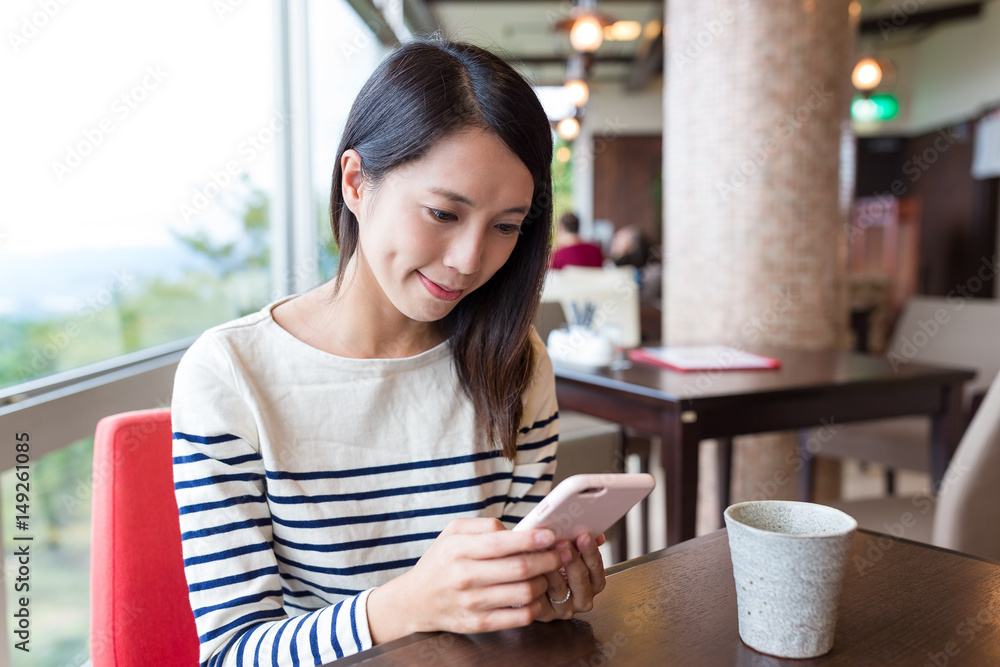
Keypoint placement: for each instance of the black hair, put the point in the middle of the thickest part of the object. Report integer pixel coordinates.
(421, 93)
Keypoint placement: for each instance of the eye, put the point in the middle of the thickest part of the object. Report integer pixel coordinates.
(509, 229)
(441, 216)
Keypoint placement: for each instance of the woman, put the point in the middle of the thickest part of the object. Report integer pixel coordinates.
(347, 461)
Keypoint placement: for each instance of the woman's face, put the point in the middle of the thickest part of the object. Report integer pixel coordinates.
(438, 228)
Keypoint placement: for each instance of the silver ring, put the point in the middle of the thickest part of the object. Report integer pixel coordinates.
(564, 600)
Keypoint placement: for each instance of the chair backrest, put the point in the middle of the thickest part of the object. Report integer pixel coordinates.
(139, 608)
(950, 331)
(968, 505)
(613, 290)
(549, 316)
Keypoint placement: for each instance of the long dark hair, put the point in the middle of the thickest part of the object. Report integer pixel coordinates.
(424, 91)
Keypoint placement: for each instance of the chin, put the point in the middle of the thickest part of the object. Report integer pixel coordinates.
(428, 312)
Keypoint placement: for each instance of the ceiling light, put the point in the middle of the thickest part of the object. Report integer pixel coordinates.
(585, 26)
(578, 91)
(587, 33)
(867, 74)
(622, 31)
(568, 128)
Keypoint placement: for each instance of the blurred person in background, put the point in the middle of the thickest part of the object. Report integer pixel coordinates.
(571, 250)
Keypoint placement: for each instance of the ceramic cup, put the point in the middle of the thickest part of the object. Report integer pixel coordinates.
(788, 562)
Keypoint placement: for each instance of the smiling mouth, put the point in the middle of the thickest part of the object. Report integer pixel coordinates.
(439, 291)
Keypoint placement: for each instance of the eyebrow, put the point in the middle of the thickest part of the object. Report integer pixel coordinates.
(462, 199)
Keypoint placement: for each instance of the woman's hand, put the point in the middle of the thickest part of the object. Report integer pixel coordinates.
(582, 575)
(477, 576)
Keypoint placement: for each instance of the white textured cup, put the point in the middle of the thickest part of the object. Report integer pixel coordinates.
(788, 562)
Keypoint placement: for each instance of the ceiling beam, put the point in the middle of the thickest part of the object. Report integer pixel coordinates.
(888, 24)
(419, 18)
(557, 59)
(648, 61)
(373, 18)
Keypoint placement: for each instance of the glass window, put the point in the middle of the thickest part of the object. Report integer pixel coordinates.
(343, 52)
(140, 164)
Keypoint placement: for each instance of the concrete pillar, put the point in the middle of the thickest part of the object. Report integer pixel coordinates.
(756, 168)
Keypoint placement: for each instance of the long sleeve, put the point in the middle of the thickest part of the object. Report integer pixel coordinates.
(234, 584)
(306, 480)
(537, 442)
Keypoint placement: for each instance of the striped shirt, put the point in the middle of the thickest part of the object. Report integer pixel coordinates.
(305, 480)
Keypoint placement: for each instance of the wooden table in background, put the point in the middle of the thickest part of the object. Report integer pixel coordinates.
(810, 388)
(902, 603)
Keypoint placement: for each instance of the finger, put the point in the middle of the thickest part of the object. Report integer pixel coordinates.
(497, 544)
(472, 574)
(600, 539)
(472, 525)
(501, 618)
(556, 590)
(578, 576)
(517, 594)
(592, 559)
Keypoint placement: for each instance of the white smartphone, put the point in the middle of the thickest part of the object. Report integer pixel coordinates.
(587, 504)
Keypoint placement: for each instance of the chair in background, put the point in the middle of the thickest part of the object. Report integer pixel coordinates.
(966, 512)
(933, 331)
(139, 609)
(613, 290)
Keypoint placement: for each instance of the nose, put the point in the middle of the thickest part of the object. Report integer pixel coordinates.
(465, 251)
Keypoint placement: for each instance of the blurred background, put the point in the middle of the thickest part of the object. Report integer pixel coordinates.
(166, 168)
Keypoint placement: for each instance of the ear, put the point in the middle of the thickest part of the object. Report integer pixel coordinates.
(352, 180)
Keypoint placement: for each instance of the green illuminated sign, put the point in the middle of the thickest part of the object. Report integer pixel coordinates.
(878, 107)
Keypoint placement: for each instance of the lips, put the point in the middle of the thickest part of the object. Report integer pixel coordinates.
(439, 291)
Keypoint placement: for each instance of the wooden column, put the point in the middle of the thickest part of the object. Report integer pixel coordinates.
(758, 171)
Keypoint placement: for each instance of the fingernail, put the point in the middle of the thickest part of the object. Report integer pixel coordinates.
(544, 538)
(565, 555)
(585, 542)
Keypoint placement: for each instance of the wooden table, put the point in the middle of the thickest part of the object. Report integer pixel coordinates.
(902, 603)
(812, 390)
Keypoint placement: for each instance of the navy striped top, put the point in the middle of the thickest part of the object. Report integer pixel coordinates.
(305, 480)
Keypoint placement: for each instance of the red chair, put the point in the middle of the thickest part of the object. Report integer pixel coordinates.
(139, 609)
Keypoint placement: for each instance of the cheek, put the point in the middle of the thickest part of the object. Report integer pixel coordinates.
(400, 243)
